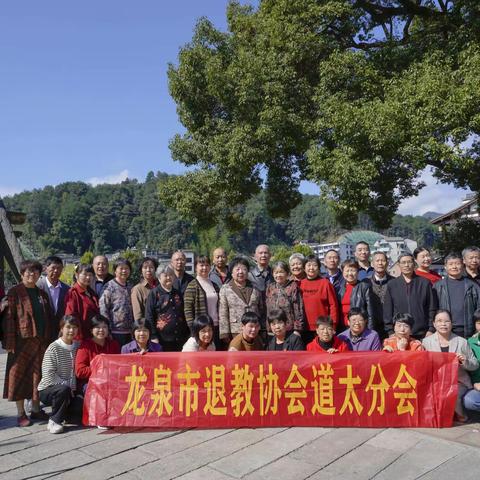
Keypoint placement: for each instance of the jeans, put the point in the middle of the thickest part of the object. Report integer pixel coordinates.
(471, 400)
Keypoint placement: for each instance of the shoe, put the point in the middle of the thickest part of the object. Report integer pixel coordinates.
(53, 427)
(100, 427)
(23, 421)
(40, 415)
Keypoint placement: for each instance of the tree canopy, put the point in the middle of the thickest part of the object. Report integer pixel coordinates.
(358, 96)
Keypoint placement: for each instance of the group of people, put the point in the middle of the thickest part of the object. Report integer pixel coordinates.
(52, 332)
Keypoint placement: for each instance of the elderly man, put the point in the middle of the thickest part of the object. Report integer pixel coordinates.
(102, 276)
(331, 261)
(411, 294)
(220, 273)
(459, 295)
(471, 260)
(261, 274)
(378, 282)
(53, 286)
(182, 278)
(362, 256)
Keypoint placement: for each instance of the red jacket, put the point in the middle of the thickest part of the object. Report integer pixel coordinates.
(82, 304)
(338, 344)
(319, 300)
(87, 352)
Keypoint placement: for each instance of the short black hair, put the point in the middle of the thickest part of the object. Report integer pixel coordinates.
(70, 319)
(122, 261)
(96, 320)
(277, 315)
(357, 311)
(314, 259)
(324, 320)
(453, 256)
(403, 318)
(84, 267)
(53, 259)
(250, 317)
(30, 265)
(239, 261)
(476, 316)
(144, 260)
(420, 250)
(141, 323)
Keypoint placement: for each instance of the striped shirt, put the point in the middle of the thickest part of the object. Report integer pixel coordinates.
(58, 366)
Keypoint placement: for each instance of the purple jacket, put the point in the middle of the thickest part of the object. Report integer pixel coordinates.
(132, 347)
(369, 341)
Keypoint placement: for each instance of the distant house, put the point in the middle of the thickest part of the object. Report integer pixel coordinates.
(468, 209)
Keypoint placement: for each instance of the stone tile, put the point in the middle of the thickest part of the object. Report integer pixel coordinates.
(204, 473)
(395, 439)
(202, 454)
(334, 444)
(266, 451)
(109, 467)
(284, 468)
(361, 463)
(464, 466)
(57, 465)
(7, 462)
(427, 455)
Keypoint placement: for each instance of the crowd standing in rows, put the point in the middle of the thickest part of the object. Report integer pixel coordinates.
(355, 306)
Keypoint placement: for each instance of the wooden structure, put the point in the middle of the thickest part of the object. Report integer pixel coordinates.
(9, 246)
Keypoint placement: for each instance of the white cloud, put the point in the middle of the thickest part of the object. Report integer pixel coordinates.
(113, 178)
(7, 191)
(434, 197)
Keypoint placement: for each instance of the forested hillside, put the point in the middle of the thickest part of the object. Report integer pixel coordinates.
(74, 217)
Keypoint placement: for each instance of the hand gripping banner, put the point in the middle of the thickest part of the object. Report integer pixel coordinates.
(272, 389)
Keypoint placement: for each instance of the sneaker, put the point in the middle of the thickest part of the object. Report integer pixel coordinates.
(100, 427)
(53, 427)
(23, 421)
(40, 415)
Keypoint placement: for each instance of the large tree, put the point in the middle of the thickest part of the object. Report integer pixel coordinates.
(358, 96)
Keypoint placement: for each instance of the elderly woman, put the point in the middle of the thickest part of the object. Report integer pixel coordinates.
(354, 293)
(282, 339)
(296, 263)
(142, 289)
(116, 304)
(284, 294)
(141, 333)
(201, 296)
(358, 337)
(326, 340)
(423, 259)
(319, 298)
(402, 340)
(29, 327)
(164, 311)
(202, 336)
(58, 385)
(443, 340)
(237, 297)
(81, 300)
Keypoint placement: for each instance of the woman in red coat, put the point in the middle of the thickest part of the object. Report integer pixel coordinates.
(82, 301)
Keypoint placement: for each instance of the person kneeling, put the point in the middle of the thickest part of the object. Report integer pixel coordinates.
(58, 384)
(326, 340)
(282, 339)
(247, 340)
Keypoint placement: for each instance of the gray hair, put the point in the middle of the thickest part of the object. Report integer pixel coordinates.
(165, 268)
(470, 249)
(294, 256)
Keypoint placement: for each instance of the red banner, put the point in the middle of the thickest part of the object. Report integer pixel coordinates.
(272, 389)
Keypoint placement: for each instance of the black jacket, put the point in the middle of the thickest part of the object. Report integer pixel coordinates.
(292, 342)
(416, 298)
(361, 297)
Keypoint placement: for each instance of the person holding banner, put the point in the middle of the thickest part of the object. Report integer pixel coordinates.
(248, 339)
(444, 340)
(283, 339)
(202, 336)
(358, 337)
(326, 340)
(91, 347)
(141, 333)
(401, 340)
(237, 297)
(58, 385)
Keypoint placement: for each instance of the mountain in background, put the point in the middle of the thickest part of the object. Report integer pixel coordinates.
(74, 217)
(431, 215)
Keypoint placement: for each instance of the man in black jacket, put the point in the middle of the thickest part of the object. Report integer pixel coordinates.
(411, 294)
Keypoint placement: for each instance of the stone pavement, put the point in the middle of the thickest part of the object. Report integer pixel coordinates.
(254, 454)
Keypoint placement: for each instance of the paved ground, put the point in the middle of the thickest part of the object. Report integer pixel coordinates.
(271, 453)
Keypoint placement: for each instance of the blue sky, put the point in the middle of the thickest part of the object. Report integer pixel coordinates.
(84, 96)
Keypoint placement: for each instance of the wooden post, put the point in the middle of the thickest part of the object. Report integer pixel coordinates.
(9, 246)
